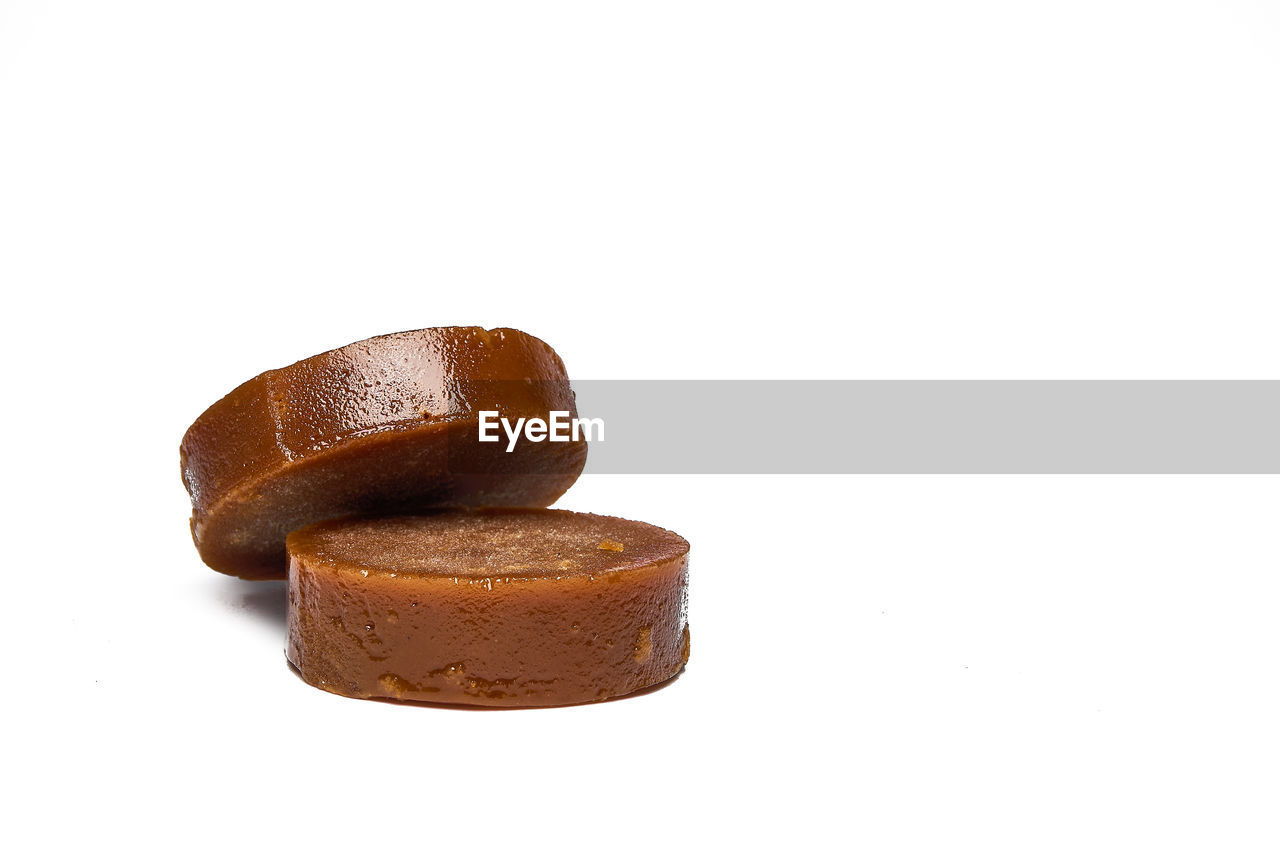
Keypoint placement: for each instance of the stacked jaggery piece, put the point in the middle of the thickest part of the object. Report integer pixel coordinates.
(420, 563)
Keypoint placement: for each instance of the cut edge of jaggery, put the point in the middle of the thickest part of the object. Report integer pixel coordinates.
(576, 554)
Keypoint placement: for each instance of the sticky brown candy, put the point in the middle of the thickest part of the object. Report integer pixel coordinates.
(384, 425)
(491, 607)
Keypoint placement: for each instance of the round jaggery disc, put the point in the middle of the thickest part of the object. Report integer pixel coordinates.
(518, 608)
(384, 425)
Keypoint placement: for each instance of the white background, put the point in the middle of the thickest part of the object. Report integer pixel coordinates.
(193, 193)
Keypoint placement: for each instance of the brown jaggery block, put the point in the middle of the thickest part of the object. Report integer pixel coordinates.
(488, 607)
(384, 425)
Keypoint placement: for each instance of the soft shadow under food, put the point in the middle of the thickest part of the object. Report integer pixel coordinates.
(264, 601)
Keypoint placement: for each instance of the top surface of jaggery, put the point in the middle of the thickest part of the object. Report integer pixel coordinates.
(489, 543)
(405, 380)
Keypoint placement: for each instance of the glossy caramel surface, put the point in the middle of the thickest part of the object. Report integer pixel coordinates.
(383, 425)
(492, 607)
